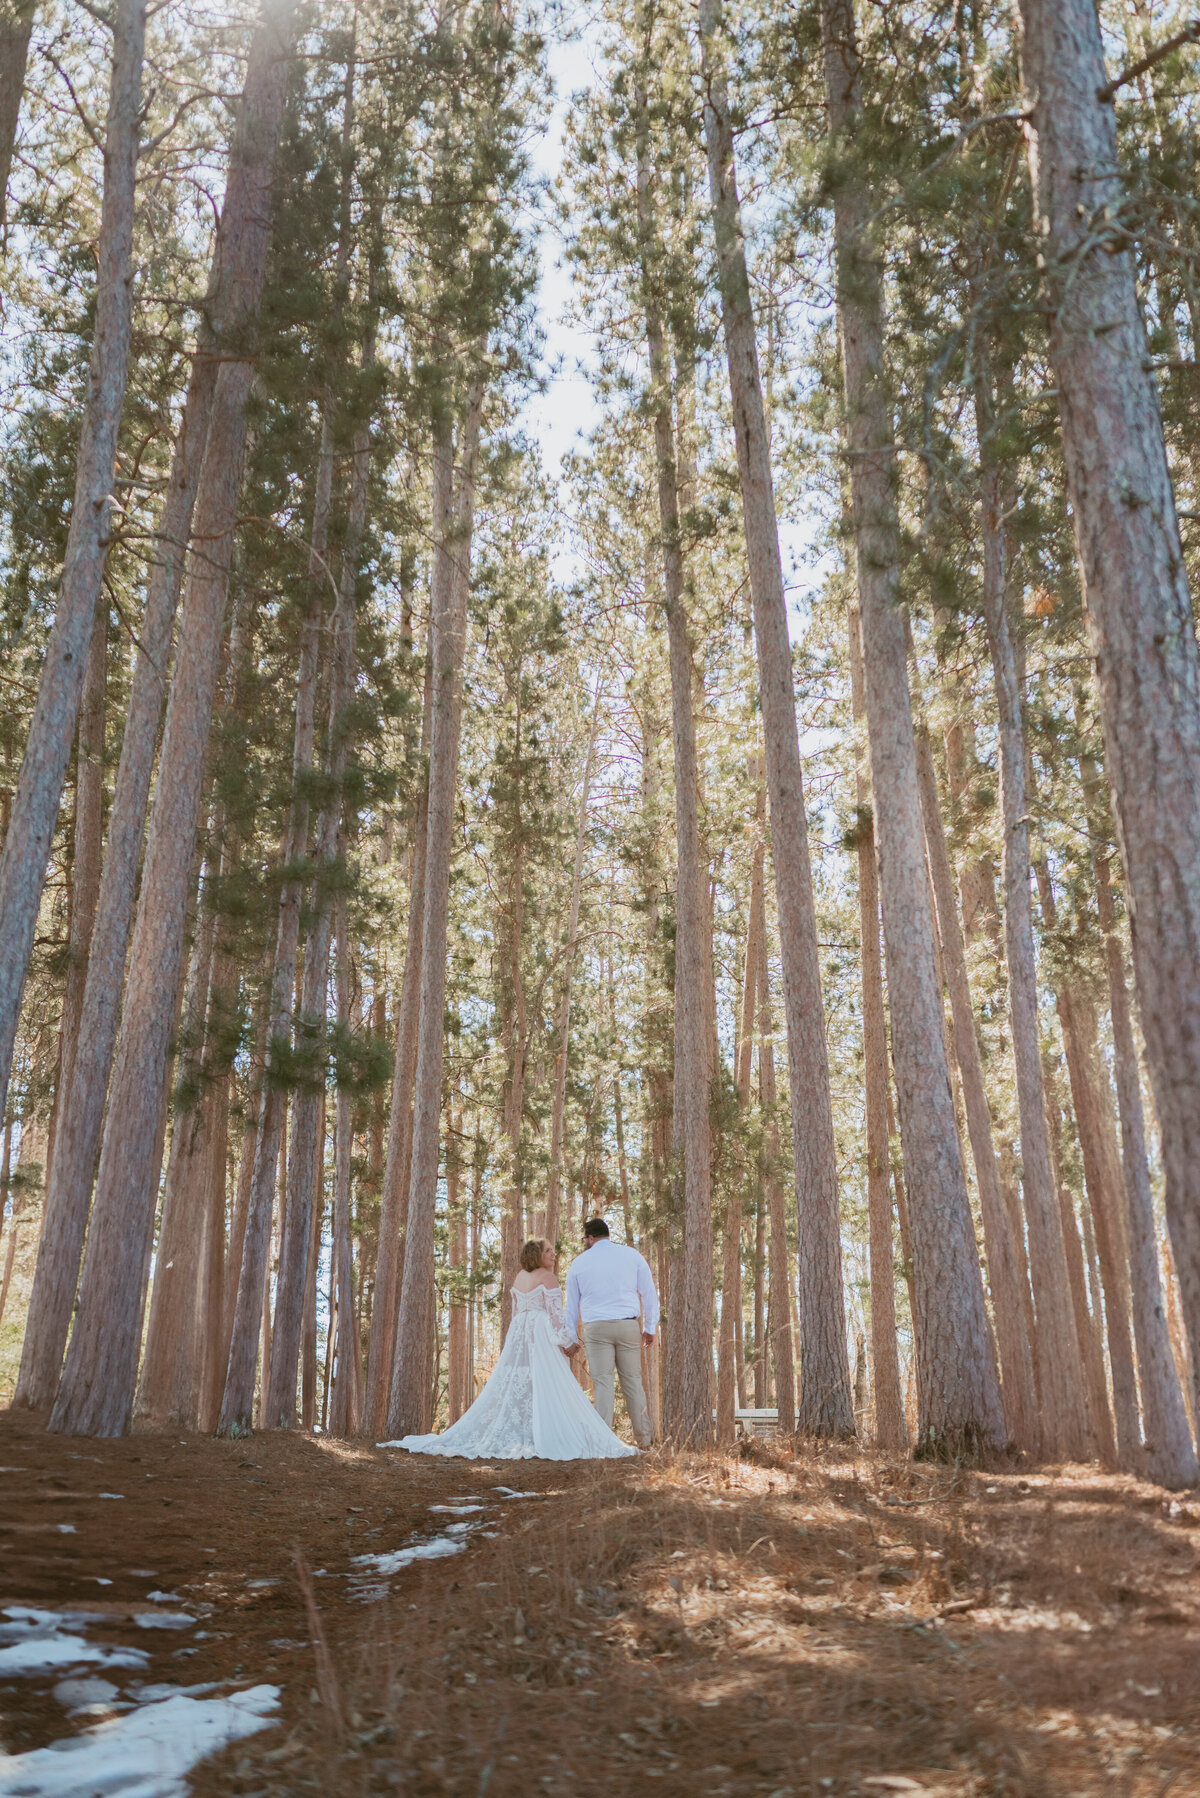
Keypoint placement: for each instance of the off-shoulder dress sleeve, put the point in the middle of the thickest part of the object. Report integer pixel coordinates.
(554, 1311)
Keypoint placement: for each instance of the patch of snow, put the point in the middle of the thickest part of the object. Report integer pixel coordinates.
(66, 1529)
(103, 1582)
(456, 1510)
(154, 1694)
(163, 1620)
(47, 1653)
(110, 1495)
(507, 1492)
(74, 1694)
(145, 1754)
(432, 1550)
(157, 1597)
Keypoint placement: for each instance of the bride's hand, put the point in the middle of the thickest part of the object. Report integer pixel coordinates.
(571, 1352)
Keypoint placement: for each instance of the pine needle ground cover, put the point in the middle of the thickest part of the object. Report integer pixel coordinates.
(838, 1624)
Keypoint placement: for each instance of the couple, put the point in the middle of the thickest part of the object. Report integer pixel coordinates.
(533, 1408)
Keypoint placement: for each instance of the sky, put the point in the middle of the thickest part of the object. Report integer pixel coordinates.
(560, 417)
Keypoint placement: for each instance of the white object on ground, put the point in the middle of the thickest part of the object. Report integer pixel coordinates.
(146, 1754)
(432, 1550)
(163, 1620)
(73, 1694)
(41, 1642)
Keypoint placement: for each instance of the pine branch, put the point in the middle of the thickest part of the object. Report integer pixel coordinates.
(1189, 35)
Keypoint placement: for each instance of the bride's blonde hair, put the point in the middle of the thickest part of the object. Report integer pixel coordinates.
(531, 1255)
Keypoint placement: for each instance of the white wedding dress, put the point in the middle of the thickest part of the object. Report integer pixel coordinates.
(532, 1408)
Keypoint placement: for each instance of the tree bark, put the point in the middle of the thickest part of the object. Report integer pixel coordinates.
(690, 1419)
(96, 1393)
(891, 1430)
(1134, 579)
(34, 815)
(780, 1296)
(238, 1397)
(397, 1167)
(825, 1400)
(1057, 1347)
(15, 29)
(958, 1391)
(1087, 1328)
(304, 1171)
(458, 1390)
(165, 1391)
(410, 1400)
(562, 1026)
(235, 281)
(89, 837)
(515, 1042)
(1170, 1453)
(1018, 1391)
(728, 1395)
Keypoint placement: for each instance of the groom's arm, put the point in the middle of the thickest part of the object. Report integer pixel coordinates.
(648, 1296)
(571, 1313)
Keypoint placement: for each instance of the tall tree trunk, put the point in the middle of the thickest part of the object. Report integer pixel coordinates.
(1018, 1391)
(1087, 1325)
(1170, 1454)
(562, 1024)
(825, 1402)
(1134, 575)
(306, 1180)
(16, 24)
(959, 1392)
(48, 746)
(172, 1334)
(96, 1393)
(238, 1397)
(782, 1336)
(397, 1166)
(514, 1034)
(241, 1203)
(891, 1430)
(691, 1417)
(89, 836)
(343, 1420)
(308, 1302)
(1102, 1178)
(409, 1403)
(731, 1258)
(12, 1210)
(762, 1361)
(458, 1380)
(234, 284)
(1057, 1347)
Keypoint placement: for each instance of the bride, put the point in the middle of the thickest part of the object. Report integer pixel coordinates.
(532, 1408)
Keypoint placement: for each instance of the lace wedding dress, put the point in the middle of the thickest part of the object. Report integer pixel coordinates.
(532, 1408)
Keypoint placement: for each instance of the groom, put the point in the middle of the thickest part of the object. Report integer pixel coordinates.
(608, 1284)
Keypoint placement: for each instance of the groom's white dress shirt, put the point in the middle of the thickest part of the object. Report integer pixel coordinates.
(610, 1281)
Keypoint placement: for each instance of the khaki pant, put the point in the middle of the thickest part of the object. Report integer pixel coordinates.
(617, 1343)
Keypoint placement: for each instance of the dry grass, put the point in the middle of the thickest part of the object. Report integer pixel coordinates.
(720, 1625)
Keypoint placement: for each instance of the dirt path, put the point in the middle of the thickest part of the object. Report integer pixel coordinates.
(687, 1626)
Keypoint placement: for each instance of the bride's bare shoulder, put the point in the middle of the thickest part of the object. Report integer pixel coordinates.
(529, 1282)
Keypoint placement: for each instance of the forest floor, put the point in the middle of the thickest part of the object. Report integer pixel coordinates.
(839, 1624)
